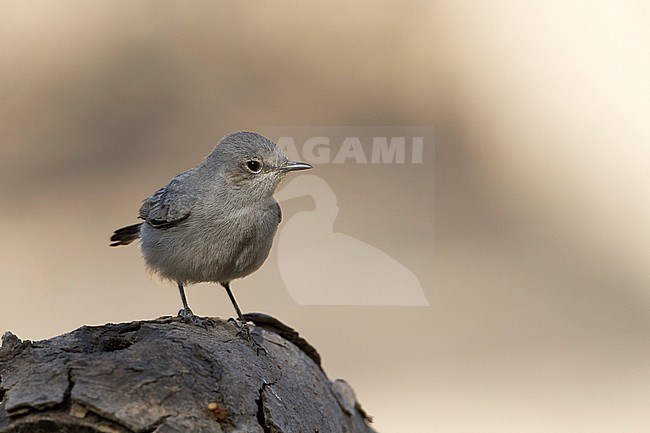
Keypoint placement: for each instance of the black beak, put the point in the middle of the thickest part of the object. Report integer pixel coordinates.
(295, 166)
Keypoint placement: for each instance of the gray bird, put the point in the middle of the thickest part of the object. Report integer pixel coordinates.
(216, 221)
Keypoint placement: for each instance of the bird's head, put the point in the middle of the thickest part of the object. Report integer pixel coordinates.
(251, 164)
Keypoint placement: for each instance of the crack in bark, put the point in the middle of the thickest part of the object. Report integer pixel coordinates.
(261, 418)
(68, 390)
(2, 391)
(68, 400)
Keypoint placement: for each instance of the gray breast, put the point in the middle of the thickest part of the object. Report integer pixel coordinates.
(203, 248)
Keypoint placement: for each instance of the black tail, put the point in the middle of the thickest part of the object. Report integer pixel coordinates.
(125, 235)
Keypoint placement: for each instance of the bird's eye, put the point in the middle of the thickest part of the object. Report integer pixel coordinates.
(254, 166)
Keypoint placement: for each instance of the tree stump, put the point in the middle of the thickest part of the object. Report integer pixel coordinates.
(166, 375)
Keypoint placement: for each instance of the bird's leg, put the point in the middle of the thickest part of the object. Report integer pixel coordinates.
(185, 313)
(240, 316)
(244, 330)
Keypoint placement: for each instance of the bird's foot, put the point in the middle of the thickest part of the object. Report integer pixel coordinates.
(245, 332)
(188, 316)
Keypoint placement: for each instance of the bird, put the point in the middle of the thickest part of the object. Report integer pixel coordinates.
(214, 222)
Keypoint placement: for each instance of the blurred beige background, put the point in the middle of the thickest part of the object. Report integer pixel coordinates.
(537, 268)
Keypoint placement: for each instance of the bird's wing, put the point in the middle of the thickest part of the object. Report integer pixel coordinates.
(167, 206)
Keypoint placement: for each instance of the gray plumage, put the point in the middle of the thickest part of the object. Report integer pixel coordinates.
(216, 221)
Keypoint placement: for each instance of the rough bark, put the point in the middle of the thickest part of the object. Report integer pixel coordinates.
(166, 376)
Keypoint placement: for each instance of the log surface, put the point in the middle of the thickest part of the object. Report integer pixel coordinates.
(167, 376)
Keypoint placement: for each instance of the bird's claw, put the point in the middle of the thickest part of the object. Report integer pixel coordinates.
(188, 316)
(245, 332)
